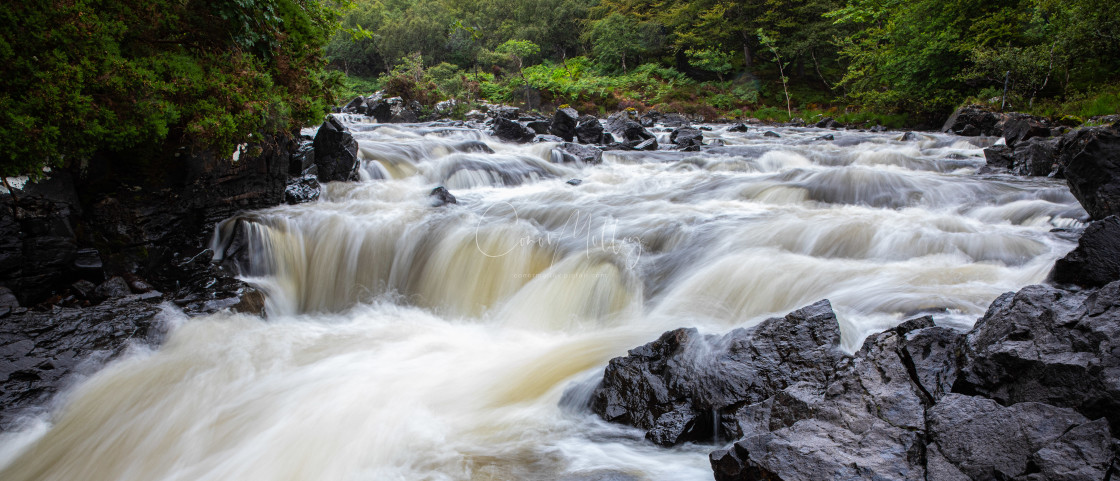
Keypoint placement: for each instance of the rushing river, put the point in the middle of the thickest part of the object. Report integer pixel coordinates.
(408, 341)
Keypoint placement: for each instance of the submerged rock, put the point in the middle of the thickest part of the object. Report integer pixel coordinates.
(441, 196)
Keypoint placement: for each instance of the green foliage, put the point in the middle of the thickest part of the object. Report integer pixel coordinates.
(711, 60)
(78, 78)
(616, 38)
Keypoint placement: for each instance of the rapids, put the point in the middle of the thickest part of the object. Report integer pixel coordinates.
(406, 341)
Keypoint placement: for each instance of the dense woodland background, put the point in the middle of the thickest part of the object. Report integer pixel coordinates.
(148, 77)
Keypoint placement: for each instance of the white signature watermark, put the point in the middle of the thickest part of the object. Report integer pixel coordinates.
(603, 238)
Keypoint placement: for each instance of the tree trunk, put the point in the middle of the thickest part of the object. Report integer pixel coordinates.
(746, 55)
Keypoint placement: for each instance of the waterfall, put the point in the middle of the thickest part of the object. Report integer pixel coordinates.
(412, 341)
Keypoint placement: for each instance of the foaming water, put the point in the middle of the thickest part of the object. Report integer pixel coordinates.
(407, 340)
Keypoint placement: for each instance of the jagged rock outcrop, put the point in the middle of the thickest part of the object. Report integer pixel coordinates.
(42, 349)
(629, 132)
(671, 387)
(1018, 128)
(973, 120)
(685, 137)
(1090, 161)
(1044, 344)
(336, 152)
(589, 130)
(302, 189)
(512, 131)
(1096, 260)
(1029, 394)
(567, 152)
(564, 123)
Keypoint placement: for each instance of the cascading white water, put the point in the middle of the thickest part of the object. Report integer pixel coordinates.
(408, 341)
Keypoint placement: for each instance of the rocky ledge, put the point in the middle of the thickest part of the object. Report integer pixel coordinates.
(88, 255)
(1032, 392)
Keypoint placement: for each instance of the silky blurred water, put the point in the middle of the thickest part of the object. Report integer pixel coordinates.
(411, 341)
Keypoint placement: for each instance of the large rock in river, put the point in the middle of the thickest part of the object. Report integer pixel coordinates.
(629, 132)
(671, 387)
(1090, 159)
(973, 120)
(1096, 260)
(564, 123)
(1044, 344)
(336, 152)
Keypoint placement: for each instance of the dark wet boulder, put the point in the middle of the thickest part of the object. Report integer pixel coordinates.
(671, 387)
(685, 137)
(539, 127)
(999, 156)
(738, 128)
(1090, 161)
(380, 109)
(1019, 128)
(512, 131)
(9, 302)
(336, 152)
(574, 182)
(826, 138)
(1034, 157)
(649, 118)
(828, 123)
(40, 351)
(84, 290)
(629, 132)
(569, 152)
(909, 137)
(1044, 344)
(302, 189)
(303, 159)
(547, 138)
(402, 112)
(504, 111)
(564, 123)
(112, 288)
(356, 106)
(973, 120)
(674, 120)
(1096, 260)
(771, 133)
(441, 196)
(878, 128)
(972, 437)
(589, 130)
(867, 422)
